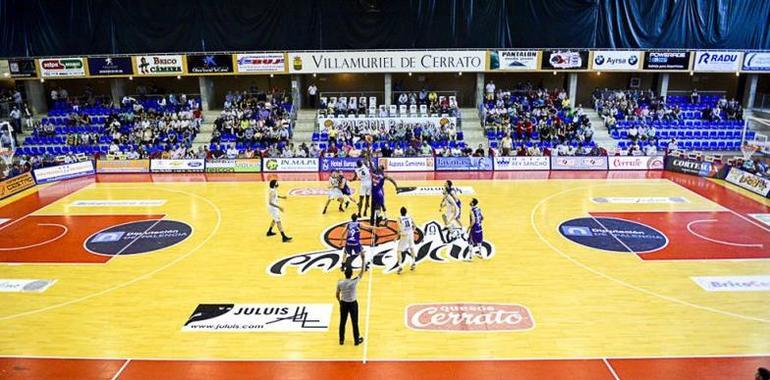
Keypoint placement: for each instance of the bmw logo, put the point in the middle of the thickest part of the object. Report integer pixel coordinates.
(633, 60)
(599, 60)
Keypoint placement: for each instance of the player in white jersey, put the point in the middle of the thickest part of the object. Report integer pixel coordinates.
(405, 240)
(275, 210)
(364, 175)
(451, 207)
(334, 191)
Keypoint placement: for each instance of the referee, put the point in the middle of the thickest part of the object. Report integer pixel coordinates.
(346, 295)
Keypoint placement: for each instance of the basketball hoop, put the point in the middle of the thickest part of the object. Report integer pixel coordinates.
(748, 150)
(6, 161)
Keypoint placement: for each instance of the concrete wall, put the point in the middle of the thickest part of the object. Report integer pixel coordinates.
(705, 82)
(77, 87)
(223, 84)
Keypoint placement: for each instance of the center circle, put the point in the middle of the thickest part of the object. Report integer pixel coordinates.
(613, 234)
(138, 237)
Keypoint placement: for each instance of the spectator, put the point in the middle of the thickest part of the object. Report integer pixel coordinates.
(312, 96)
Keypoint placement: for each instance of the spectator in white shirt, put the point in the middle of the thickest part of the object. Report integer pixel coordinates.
(232, 152)
(312, 95)
(490, 89)
(650, 150)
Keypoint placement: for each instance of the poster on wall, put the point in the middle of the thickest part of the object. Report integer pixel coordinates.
(718, 61)
(514, 60)
(667, 60)
(564, 60)
(22, 68)
(62, 67)
(209, 63)
(397, 61)
(756, 62)
(159, 65)
(260, 63)
(616, 60)
(107, 66)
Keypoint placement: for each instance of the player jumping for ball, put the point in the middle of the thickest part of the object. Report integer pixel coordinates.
(451, 206)
(352, 237)
(364, 175)
(335, 192)
(405, 240)
(378, 196)
(475, 232)
(275, 210)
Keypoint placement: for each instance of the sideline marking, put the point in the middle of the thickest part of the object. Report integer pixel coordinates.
(66, 230)
(120, 371)
(612, 370)
(745, 245)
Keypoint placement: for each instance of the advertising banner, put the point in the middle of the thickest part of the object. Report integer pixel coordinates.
(159, 65)
(514, 60)
(16, 184)
(397, 61)
(522, 163)
(667, 60)
(749, 181)
(260, 318)
(756, 62)
(4, 70)
(693, 167)
(564, 60)
(578, 163)
(57, 173)
(22, 68)
(718, 61)
(177, 166)
(386, 122)
(18, 285)
(260, 63)
(615, 60)
(238, 165)
(463, 163)
(108, 66)
(347, 164)
(290, 165)
(209, 63)
(408, 164)
(123, 166)
(636, 163)
(756, 283)
(62, 67)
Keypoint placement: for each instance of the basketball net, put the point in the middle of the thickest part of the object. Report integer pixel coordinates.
(748, 150)
(7, 150)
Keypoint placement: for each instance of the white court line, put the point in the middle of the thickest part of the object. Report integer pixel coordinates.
(612, 370)
(745, 245)
(138, 237)
(120, 371)
(369, 303)
(41, 243)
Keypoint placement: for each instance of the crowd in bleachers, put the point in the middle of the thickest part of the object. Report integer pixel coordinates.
(250, 121)
(640, 119)
(529, 121)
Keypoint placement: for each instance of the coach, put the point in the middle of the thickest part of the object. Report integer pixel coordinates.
(346, 295)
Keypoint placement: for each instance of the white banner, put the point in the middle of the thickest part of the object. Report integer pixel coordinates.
(408, 164)
(748, 181)
(260, 63)
(718, 61)
(24, 285)
(513, 60)
(733, 283)
(290, 165)
(578, 163)
(62, 67)
(434, 190)
(158, 65)
(615, 60)
(386, 122)
(56, 173)
(260, 318)
(523, 163)
(756, 62)
(119, 203)
(176, 166)
(636, 162)
(398, 61)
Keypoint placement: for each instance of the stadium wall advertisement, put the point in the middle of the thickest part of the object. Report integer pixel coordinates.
(123, 166)
(207, 64)
(522, 163)
(159, 65)
(16, 184)
(616, 60)
(255, 63)
(636, 163)
(513, 60)
(110, 66)
(749, 181)
(397, 61)
(579, 163)
(177, 166)
(756, 62)
(57, 173)
(62, 67)
(346, 164)
(238, 165)
(463, 164)
(22, 68)
(693, 167)
(564, 60)
(667, 60)
(290, 165)
(386, 122)
(408, 164)
(718, 61)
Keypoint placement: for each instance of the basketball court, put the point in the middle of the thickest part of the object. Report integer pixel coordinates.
(607, 275)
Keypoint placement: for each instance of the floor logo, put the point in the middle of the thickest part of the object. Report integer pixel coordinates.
(468, 317)
(138, 237)
(260, 317)
(431, 242)
(612, 234)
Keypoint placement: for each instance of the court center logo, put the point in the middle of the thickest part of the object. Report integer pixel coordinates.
(431, 243)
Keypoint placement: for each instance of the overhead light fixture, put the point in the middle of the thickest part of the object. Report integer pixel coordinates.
(554, 73)
(598, 73)
(410, 74)
(130, 77)
(42, 80)
(313, 75)
(460, 73)
(271, 75)
(692, 73)
(178, 77)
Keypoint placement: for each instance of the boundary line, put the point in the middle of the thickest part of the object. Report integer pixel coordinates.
(120, 371)
(612, 370)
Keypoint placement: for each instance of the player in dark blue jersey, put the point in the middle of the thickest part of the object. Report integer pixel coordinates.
(475, 231)
(353, 242)
(378, 195)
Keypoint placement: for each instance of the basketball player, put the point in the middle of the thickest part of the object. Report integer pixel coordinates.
(475, 232)
(363, 174)
(450, 211)
(353, 242)
(275, 210)
(378, 196)
(451, 192)
(345, 189)
(334, 191)
(405, 240)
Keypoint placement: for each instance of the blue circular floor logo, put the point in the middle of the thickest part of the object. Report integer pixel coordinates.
(138, 237)
(612, 234)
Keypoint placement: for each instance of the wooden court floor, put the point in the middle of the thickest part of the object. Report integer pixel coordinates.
(596, 274)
